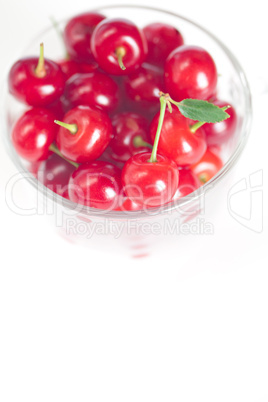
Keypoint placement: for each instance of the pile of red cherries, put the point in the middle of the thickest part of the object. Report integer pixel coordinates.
(104, 128)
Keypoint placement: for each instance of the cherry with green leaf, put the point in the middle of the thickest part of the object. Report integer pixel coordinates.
(151, 180)
(180, 141)
(36, 81)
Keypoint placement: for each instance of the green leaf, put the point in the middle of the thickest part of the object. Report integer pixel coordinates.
(201, 110)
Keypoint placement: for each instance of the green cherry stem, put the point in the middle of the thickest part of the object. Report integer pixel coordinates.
(54, 149)
(163, 103)
(71, 127)
(196, 126)
(40, 70)
(203, 178)
(120, 53)
(199, 110)
(138, 142)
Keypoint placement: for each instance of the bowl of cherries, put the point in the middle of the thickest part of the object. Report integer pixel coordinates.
(125, 110)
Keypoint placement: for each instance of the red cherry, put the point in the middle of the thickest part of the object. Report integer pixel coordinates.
(177, 141)
(219, 133)
(96, 184)
(143, 87)
(118, 46)
(33, 134)
(59, 107)
(188, 182)
(36, 82)
(107, 156)
(207, 167)
(93, 89)
(33, 167)
(215, 149)
(161, 39)
(88, 67)
(150, 184)
(84, 135)
(55, 174)
(77, 35)
(130, 136)
(128, 205)
(190, 72)
(68, 67)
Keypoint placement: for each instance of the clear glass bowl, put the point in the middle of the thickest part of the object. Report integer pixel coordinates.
(232, 87)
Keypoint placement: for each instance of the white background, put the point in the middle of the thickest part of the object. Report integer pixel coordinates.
(77, 324)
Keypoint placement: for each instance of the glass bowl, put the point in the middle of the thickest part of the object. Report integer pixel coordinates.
(232, 87)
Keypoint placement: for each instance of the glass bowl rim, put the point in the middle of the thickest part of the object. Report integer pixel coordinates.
(182, 202)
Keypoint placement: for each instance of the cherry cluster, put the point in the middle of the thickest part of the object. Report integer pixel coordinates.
(94, 133)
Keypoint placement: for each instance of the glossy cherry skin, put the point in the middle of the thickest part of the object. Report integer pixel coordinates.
(33, 134)
(93, 89)
(127, 126)
(218, 133)
(143, 87)
(94, 132)
(190, 72)
(215, 149)
(55, 173)
(188, 182)
(127, 204)
(96, 184)
(114, 33)
(27, 87)
(176, 141)
(107, 156)
(59, 107)
(207, 167)
(70, 67)
(161, 39)
(150, 184)
(33, 167)
(77, 35)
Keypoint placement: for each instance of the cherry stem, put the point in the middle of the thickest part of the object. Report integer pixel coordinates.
(120, 53)
(40, 70)
(71, 127)
(203, 178)
(163, 103)
(138, 142)
(193, 127)
(196, 126)
(54, 149)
